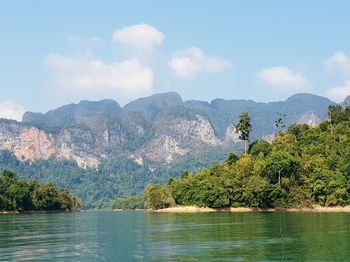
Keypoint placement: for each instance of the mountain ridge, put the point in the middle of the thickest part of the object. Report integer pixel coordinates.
(159, 128)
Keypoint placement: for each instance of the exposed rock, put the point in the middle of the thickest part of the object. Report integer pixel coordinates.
(163, 148)
(29, 143)
(269, 138)
(346, 101)
(231, 135)
(196, 129)
(158, 128)
(179, 136)
(309, 118)
(26, 142)
(137, 159)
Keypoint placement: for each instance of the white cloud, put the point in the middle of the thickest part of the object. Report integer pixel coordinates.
(11, 110)
(339, 93)
(141, 36)
(283, 79)
(189, 62)
(338, 61)
(128, 78)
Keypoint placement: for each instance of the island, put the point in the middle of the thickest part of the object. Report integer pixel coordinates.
(303, 168)
(20, 195)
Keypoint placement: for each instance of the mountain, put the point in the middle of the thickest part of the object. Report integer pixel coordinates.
(101, 151)
(222, 113)
(346, 101)
(160, 128)
(152, 105)
(73, 114)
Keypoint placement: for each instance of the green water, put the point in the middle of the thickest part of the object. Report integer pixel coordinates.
(142, 236)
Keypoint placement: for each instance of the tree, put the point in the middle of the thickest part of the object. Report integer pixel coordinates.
(296, 131)
(280, 163)
(231, 158)
(243, 128)
(335, 116)
(279, 123)
(45, 197)
(65, 199)
(157, 196)
(127, 203)
(260, 146)
(18, 194)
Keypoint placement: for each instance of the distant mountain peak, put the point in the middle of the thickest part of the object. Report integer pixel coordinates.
(150, 106)
(72, 114)
(346, 101)
(159, 128)
(161, 98)
(305, 96)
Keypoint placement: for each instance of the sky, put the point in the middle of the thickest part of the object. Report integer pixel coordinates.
(59, 52)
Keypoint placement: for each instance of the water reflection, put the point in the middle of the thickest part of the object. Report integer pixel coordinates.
(247, 237)
(142, 236)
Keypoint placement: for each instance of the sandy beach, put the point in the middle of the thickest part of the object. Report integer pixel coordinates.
(195, 209)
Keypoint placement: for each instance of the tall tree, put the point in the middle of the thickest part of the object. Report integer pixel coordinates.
(243, 128)
(335, 115)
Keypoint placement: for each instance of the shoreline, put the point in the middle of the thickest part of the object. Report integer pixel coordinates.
(37, 212)
(9, 212)
(195, 209)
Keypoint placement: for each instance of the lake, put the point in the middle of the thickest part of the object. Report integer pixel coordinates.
(144, 236)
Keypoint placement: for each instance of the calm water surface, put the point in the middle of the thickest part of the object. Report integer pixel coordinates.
(142, 236)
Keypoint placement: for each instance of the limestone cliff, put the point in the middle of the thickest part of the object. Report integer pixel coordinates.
(160, 128)
(176, 137)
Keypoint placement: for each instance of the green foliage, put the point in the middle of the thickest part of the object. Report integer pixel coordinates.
(157, 196)
(231, 158)
(208, 188)
(335, 114)
(280, 164)
(45, 197)
(302, 167)
(129, 203)
(244, 128)
(21, 195)
(260, 146)
(113, 179)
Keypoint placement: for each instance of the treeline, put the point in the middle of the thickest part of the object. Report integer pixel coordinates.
(129, 203)
(113, 179)
(303, 166)
(18, 194)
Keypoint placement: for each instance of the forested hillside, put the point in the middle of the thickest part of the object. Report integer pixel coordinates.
(302, 167)
(112, 179)
(101, 151)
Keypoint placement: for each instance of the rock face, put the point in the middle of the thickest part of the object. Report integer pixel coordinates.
(346, 101)
(309, 118)
(178, 136)
(30, 143)
(26, 142)
(158, 128)
(231, 135)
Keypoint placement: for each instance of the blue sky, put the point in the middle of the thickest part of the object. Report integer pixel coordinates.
(58, 52)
